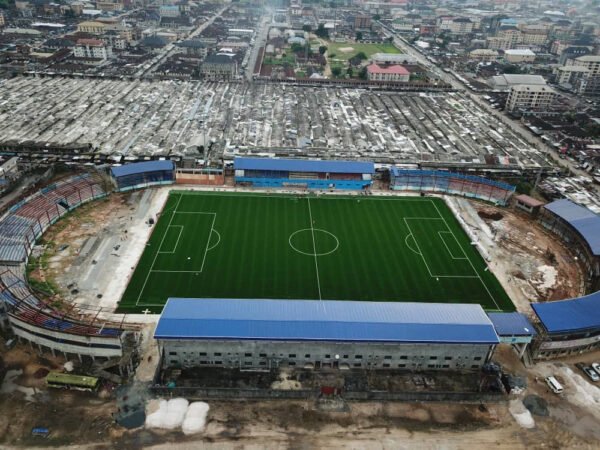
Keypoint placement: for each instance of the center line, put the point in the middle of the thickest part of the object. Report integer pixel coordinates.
(312, 230)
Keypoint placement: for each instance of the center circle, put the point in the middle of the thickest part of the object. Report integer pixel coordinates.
(314, 242)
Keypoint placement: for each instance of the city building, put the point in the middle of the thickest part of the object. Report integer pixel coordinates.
(392, 58)
(517, 56)
(461, 25)
(505, 81)
(219, 67)
(483, 54)
(92, 48)
(529, 98)
(91, 27)
(362, 22)
(194, 47)
(394, 72)
(266, 334)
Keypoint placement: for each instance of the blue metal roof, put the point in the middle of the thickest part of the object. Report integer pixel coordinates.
(512, 324)
(322, 320)
(582, 219)
(303, 165)
(570, 315)
(141, 167)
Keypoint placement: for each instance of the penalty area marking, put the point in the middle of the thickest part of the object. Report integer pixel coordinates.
(337, 242)
(409, 246)
(218, 241)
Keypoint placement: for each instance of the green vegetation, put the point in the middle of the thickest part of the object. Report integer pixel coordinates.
(322, 32)
(287, 59)
(222, 245)
(336, 71)
(366, 49)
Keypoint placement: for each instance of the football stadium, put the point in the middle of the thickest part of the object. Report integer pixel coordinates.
(310, 248)
(306, 246)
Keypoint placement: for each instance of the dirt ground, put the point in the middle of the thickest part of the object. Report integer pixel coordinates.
(541, 265)
(84, 420)
(62, 243)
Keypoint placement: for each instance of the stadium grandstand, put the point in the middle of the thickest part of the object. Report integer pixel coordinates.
(143, 174)
(450, 183)
(28, 219)
(567, 327)
(74, 331)
(571, 326)
(263, 334)
(306, 174)
(580, 229)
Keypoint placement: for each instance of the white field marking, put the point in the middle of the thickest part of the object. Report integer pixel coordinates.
(158, 251)
(193, 212)
(178, 237)
(175, 271)
(420, 252)
(208, 241)
(314, 249)
(467, 257)
(410, 248)
(441, 234)
(313, 254)
(218, 242)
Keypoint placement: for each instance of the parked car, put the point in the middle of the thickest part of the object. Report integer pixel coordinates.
(596, 367)
(591, 373)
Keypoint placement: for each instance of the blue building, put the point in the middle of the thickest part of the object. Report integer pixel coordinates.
(306, 174)
(572, 326)
(143, 174)
(578, 227)
(265, 334)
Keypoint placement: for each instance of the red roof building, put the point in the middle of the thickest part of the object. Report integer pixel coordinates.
(392, 72)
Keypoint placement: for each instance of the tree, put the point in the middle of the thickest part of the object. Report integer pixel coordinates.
(359, 35)
(336, 71)
(361, 55)
(322, 32)
(362, 74)
(297, 48)
(350, 72)
(524, 187)
(306, 28)
(376, 17)
(322, 49)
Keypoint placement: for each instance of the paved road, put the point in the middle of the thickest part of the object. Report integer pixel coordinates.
(170, 49)
(514, 125)
(260, 40)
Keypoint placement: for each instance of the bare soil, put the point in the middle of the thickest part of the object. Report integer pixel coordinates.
(530, 247)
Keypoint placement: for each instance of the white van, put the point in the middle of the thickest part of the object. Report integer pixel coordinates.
(554, 385)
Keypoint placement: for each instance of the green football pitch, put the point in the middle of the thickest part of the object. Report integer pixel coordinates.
(220, 245)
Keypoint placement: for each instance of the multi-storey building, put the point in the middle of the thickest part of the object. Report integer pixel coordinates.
(529, 98)
(394, 72)
(92, 48)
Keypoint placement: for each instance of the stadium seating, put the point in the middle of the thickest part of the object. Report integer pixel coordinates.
(19, 229)
(451, 183)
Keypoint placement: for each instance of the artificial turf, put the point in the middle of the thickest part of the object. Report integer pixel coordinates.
(220, 245)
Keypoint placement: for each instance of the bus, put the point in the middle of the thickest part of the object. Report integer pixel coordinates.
(554, 385)
(68, 381)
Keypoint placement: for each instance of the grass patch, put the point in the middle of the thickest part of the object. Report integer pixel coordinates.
(368, 49)
(226, 245)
